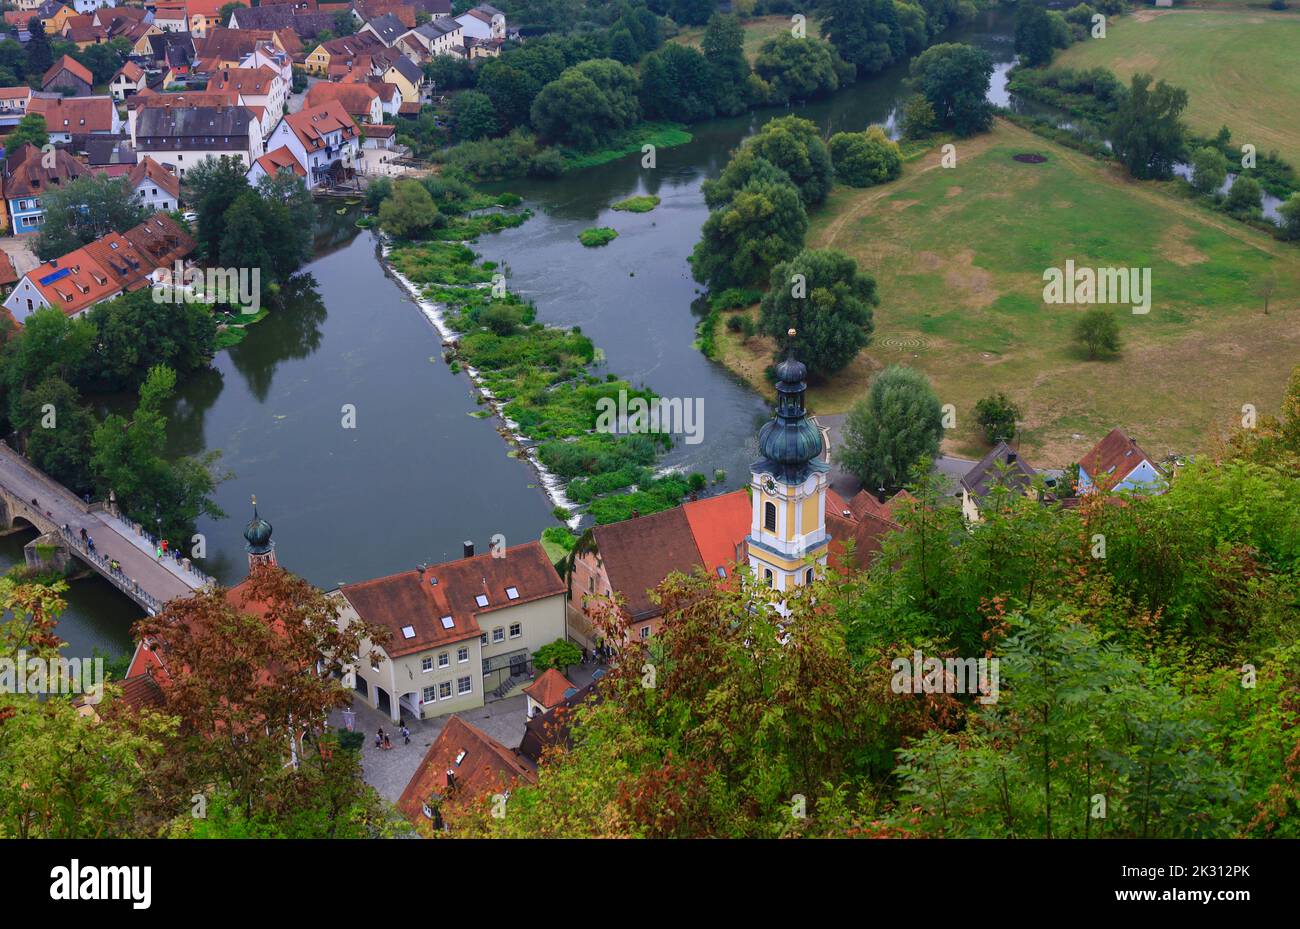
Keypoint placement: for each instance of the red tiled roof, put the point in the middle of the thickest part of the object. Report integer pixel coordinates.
(74, 281)
(8, 273)
(356, 99)
(146, 167)
(253, 81)
(141, 691)
(479, 764)
(439, 605)
(720, 525)
(1113, 458)
(639, 553)
(550, 688)
(131, 71)
(312, 123)
(72, 66)
(75, 114)
(161, 240)
(279, 158)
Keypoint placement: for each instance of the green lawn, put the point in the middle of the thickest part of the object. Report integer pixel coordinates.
(1240, 68)
(959, 255)
(757, 31)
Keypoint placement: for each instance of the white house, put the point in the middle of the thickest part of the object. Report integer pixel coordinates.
(157, 188)
(128, 80)
(323, 140)
(256, 87)
(66, 117)
(438, 37)
(268, 56)
(184, 136)
(89, 6)
(483, 22)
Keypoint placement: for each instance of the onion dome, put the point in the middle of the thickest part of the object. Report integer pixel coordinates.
(257, 534)
(790, 443)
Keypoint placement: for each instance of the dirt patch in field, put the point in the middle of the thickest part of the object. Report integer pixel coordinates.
(975, 284)
(897, 206)
(952, 192)
(1175, 246)
(929, 261)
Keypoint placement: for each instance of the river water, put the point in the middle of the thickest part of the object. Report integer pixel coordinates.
(419, 474)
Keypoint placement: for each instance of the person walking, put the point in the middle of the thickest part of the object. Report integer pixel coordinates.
(406, 735)
(379, 738)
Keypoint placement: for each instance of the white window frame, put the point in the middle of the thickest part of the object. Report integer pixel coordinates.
(462, 654)
(426, 664)
(498, 635)
(516, 630)
(464, 685)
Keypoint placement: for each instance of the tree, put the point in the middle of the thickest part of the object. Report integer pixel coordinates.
(764, 223)
(344, 24)
(243, 241)
(1209, 169)
(129, 459)
(1035, 36)
(865, 33)
(39, 55)
(692, 12)
(795, 145)
(287, 208)
(822, 296)
(252, 679)
(510, 89)
(1147, 133)
(135, 333)
(797, 69)
(677, 83)
(723, 45)
(213, 185)
(954, 78)
(49, 345)
(409, 212)
(472, 116)
(85, 210)
(31, 129)
(1244, 197)
(559, 655)
(888, 432)
(54, 429)
(104, 59)
(223, 15)
(865, 158)
(1290, 215)
(1098, 332)
(744, 168)
(918, 118)
(587, 104)
(997, 417)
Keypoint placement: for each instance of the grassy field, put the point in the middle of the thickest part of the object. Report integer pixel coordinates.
(757, 31)
(959, 254)
(1239, 68)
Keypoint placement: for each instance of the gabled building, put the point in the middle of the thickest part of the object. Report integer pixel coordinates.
(28, 177)
(272, 163)
(183, 136)
(13, 104)
(53, 15)
(323, 139)
(171, 16)
(172, 51)
(1117, 462)
(129, 79)
(305, 24)
(439, 37)
(1001, 467)
(360, 101)
(462, 767)
(91, 6)
(483, 22)
(68, 76)
(547, 692)
(157, 188)
(255, 87)
(339, 52)
(460, 632)
(205, 15)
(69, 117)
(387, 28)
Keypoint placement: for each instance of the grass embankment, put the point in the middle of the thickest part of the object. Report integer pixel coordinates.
(959, 253)
(757, 31)
(544, 380)
(1237, 65)
(628, 142)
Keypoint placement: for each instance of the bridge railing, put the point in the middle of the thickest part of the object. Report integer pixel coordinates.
(115, 575)
(134, 529)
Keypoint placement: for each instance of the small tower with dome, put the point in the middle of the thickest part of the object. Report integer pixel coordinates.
(257, 538)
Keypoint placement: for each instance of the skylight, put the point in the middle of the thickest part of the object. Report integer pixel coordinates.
(448, 622)
(481, 600)
(512, 593)
(408, 632)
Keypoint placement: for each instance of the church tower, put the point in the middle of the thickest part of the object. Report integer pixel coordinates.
(787, 539)
(257, 535)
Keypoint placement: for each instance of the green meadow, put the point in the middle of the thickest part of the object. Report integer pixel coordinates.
(959, 256)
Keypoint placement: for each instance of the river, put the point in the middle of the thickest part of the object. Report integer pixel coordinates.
(419, 474)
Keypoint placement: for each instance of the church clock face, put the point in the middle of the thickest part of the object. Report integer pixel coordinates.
(769, 485)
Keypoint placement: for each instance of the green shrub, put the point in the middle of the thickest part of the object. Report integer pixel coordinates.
(597, 236)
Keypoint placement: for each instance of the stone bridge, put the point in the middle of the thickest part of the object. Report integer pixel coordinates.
(120, 552)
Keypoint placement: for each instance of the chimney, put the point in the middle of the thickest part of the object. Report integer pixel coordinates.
(469, 548)
(451, 779)
(880, 495)
(1011, 457)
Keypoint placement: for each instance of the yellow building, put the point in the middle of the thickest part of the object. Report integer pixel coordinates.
(787, 542)
(55, 23)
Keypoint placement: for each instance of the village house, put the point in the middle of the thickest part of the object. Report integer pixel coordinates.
(83, 31)
(337, 52)
(204, 15)
(171, 16)
(1116, 463)
(402, 73)
(13, 105)
(183, 136)
(438, 37)
(272, 163)
(172, 51)
(387, 29)
(109, 155)
(256, 87)
(305, 24)
(53, 16)
(1001, 467)
(28, 176)
(463, 766)
(68, 76)
(483, 22)
(323, 139)
(129, 79)
(460, 632)
(69, 119)
(103, 270)
(547, 692)
(360, 101)
(146, 99)
(157, 188)
(91, 6)
(268, 56)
